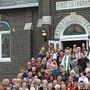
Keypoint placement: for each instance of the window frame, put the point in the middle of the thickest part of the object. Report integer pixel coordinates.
(1, 33)
(74, 29)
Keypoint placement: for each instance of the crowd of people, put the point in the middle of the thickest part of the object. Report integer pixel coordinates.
(56, 69)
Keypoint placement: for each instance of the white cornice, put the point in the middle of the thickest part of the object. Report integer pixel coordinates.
(20, 6)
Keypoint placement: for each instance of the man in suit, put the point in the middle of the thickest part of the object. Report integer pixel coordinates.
(38, 85)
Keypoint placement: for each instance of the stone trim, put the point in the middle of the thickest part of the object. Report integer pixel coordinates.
(46, 20)
(73, 18)
(39, 24)
(27, 26)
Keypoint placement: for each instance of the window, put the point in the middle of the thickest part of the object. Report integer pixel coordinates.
(4, 42)
(74, 30)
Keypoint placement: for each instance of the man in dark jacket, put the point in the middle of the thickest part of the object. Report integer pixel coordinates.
(83, 61)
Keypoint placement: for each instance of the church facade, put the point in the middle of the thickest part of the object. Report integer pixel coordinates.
(21, 25)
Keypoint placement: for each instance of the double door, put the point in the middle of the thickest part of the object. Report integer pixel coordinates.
(55, 44)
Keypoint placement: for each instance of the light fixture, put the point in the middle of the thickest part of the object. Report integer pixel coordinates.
(44, 34)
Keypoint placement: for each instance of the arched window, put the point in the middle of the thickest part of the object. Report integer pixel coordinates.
(74, 30)
(4, 41)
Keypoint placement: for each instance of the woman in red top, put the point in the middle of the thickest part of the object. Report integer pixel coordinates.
(71, 83)
(70, 86)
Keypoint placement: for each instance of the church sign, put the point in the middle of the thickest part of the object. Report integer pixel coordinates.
(72, 4)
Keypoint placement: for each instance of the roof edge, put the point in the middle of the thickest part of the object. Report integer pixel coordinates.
(20, 6)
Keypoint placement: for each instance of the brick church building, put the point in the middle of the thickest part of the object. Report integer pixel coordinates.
(22, 22)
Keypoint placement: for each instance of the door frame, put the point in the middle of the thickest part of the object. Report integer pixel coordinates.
(55, 43)
(75, 38)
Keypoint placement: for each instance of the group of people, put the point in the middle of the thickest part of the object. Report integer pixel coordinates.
(56, 69)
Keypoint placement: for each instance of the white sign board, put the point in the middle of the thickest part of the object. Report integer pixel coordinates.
(72, 4)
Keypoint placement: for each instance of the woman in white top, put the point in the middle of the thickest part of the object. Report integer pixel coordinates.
(84, 79)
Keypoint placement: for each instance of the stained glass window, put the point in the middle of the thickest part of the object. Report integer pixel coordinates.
(74, 30)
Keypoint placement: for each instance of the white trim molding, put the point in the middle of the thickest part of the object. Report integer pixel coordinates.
(74, 37)
(20, 6)
(69, 20)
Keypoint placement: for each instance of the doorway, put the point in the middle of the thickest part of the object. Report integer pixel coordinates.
(71, 43)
